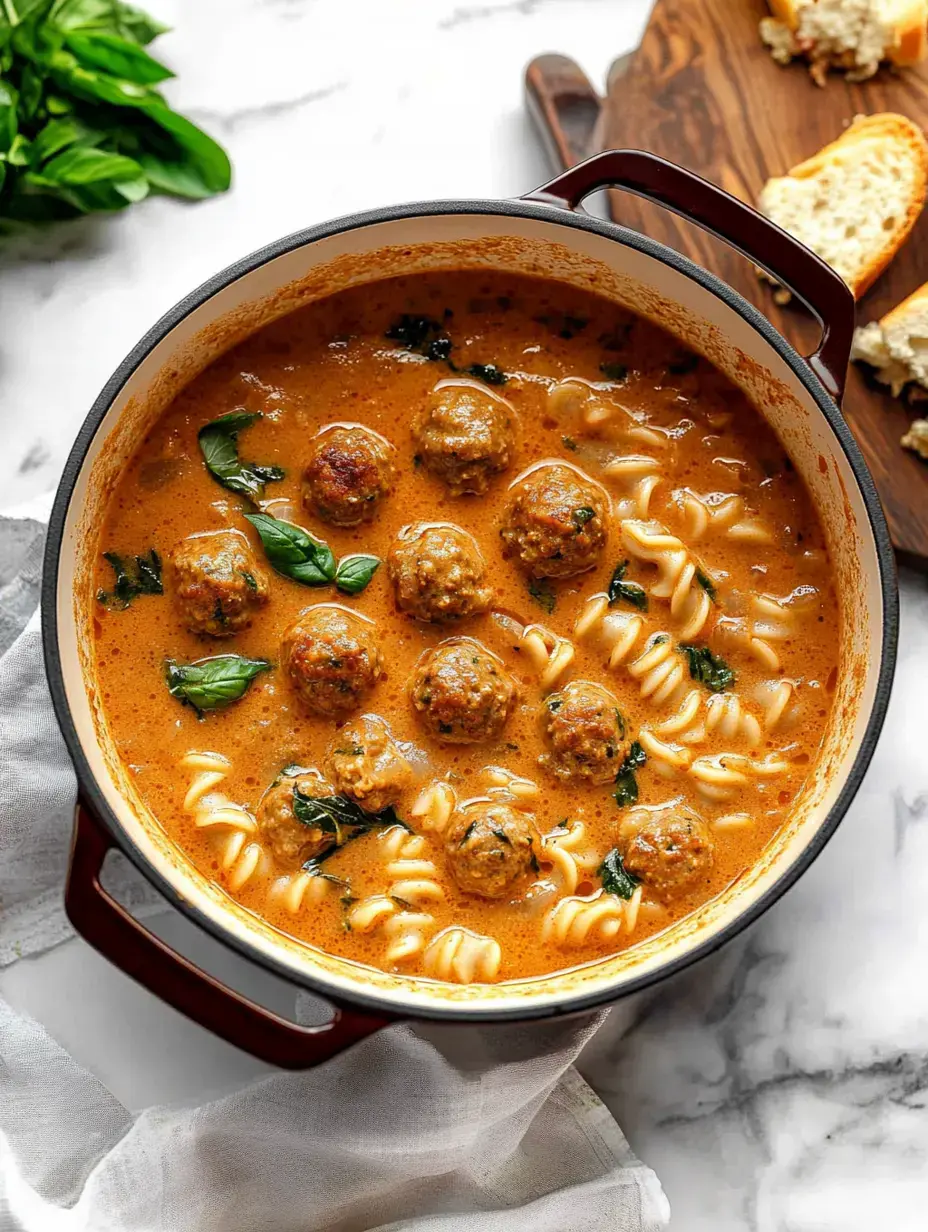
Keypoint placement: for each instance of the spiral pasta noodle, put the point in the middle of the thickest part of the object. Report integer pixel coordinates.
(548, 654)
(512, 788)
(727, 515)
(678, 574)
(728, 717)
(573, 921)
(661, 671)
(434, 806)
(636, 476)
(292, 890)
(720, 776)
(570, 854)
(401, 911)
(463, 957)
(232, 824)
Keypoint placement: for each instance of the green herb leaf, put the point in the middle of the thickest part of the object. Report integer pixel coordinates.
(707, 668)
(414, 332)
(614, 371)
(119, 56)
(219, 446)
(626, 592)
(543, 593)
(211, 684)
(488, 373)
(581, 516)
(615, 876)
(135, 575)
(569, 443)
(293, 551)
(706, 583)
(355, 572)
(342, 818)
(626, 781)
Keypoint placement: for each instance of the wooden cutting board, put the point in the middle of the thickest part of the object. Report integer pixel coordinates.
(703, 91)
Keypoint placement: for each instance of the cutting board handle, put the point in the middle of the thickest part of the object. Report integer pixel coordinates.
(787, 261)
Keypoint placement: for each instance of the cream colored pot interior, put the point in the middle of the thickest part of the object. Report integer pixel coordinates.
(569, 255)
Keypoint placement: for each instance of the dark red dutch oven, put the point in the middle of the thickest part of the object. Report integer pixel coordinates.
(547, 234)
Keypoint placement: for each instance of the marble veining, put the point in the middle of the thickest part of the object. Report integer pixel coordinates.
(779, 1086)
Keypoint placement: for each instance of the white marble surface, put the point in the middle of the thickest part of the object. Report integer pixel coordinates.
(779, 1087)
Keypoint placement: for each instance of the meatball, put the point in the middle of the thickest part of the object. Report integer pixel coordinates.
(349, 472)
(365, 764)
(585, 732)
(465, 436)
(462, 692)
(290, 840)
(490, 849)
(670, 849)
(216, 582)
(332, 658)
(555, 523)
(438, 572)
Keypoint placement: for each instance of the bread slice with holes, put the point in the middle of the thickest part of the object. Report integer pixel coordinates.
(896, 346)
(856, 200)
(855, 36)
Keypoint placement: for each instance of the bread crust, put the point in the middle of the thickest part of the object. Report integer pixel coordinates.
(909, 23)
(896, 316)
(885, 126)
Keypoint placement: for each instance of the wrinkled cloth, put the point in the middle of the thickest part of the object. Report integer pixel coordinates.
(432, 1128)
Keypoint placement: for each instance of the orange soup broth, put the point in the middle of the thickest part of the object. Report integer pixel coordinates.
(331, 362)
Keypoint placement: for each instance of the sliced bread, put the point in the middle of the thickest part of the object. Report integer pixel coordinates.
(856, 200)
(853, 35)
(896, 346)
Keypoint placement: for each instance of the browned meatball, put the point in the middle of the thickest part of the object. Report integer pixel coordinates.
(462, 692)
(464, 436)
(290, 840)
(490, 849)
(365, 764)
(669, 849)
(438, 572)
(585, 733)
(332, 658)
(349, 472)
(555, 523)
(216, 582)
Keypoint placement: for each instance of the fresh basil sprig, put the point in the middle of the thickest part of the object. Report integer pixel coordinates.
(355, 572)
(219, 446)
(211, 684)
(82, 124)
(293, 551)
(296, 554)
(615, 876)
(340, 817)
(134, 576)
(626, 781)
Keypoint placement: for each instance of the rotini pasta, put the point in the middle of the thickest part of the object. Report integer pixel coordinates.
(434, 806)
(661, 671)
(292, 890)
(726, 514)
(463, 957)
(679, 576)
(573, 922)
(570, 854)
(240, 859)
(720, 776)
(504, 785)
(635, 476)
(548, 654)
(414, 878)
(776, 697)
(728, 717)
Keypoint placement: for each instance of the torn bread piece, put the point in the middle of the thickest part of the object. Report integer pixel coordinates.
(896, 348)
(855, 36)
(856, 200)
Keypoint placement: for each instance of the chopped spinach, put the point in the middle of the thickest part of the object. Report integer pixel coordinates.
(414, 333)
(211, 684)
(355, 572)
(543, 593)
(627, 592)
(488, 373)
(614, 371)
(626, 782)
(706, 583)
(134, 576)
(249, 579)
(581, 516)
(569, 443)
(707, 668)
(341, 818)
(615, 876)
(293, 551)
(219, 446)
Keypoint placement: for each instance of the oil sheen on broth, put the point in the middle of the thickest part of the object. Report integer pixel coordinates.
(559, 686)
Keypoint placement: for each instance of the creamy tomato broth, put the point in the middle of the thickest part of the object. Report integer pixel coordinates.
(533, 759)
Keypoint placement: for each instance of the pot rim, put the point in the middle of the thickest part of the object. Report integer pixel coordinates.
(506, 208)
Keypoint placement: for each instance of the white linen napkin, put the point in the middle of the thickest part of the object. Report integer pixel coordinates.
(432, 1128)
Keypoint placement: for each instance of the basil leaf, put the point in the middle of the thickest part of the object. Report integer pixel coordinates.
(293, 551)
(414, 333)
(707, 668)
(116, 55)
(219, 447)
(627, 592)
(582, 515)
(706, 583)
(340, 817)
(88, 165)
(488, 373)
(9, 123)
(615, 876)
(543, 593)
(134, 576)
(355, 572)
(626, 781)
(211, 684)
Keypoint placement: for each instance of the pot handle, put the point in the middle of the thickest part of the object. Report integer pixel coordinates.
(109, 928)
(790, 263)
